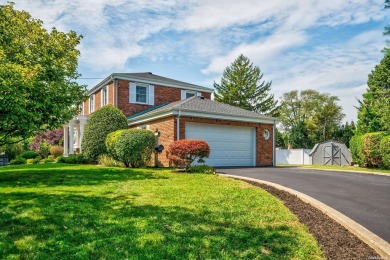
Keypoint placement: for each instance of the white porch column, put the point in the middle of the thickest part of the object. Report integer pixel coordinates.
(83, 122)
(66, 140)
(71, 137)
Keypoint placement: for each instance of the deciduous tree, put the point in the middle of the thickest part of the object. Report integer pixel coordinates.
(242, 86)
(38, 72)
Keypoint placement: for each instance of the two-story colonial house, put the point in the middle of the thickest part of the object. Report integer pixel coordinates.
(180, 110)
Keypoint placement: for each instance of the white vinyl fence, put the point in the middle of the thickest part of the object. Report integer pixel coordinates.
(293, 156)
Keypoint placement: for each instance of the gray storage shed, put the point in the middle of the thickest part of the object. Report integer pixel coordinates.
(330, 153)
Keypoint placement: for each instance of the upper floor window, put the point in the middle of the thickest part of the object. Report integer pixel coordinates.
(141, 93)
(188, 93)
(91, 103)
(105, 96)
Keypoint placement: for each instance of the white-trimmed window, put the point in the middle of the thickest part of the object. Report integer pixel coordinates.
(188, 93)
(141, 93)
(82, 109)
(104, 96)
(92, 103)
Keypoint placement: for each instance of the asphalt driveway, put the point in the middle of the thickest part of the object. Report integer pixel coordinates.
(365, 198)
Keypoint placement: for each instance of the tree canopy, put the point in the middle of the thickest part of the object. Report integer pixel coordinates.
(38, 69)
(374, 108)
(241, 86)
(317, 113)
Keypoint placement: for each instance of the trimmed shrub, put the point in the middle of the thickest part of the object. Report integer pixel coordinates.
(29, 155)
(56, 151)
(371, 149)
(102, 122)
(48, 160)
(385, 151)
(60, 159)
(202, 169)
(133, 147)
(108, 161)
(44, 149)
(184, 152)
(18, 160)
(356, 147)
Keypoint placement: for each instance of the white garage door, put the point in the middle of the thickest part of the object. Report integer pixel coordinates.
(230, 145)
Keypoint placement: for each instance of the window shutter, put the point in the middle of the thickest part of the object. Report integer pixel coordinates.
(198, 94)
(132, 92)
(183, 94)
(151, 95)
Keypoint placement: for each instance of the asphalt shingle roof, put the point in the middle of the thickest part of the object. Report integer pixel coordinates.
(198, 104)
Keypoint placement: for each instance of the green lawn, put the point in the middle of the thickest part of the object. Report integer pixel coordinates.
(89, 212)
(340, 168)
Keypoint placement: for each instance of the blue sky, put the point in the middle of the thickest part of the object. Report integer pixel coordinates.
(330, 46)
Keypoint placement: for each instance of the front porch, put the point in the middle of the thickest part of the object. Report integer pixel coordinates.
(73, 135)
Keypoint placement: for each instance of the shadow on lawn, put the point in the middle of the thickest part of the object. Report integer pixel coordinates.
(64, 226)
(65, 175)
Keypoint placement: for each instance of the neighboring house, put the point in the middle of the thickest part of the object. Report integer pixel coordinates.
(180, 110)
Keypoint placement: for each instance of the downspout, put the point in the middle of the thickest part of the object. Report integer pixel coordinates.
(178, 126)
(273, 145)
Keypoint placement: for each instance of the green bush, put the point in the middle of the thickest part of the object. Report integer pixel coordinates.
(108, 161)
(12, 150)
(371, 149)
(102, 122)
(356, 147)
(73, 159)
(29, 155)
(385, 151)
(48, 160)
(18, 160)
(44, 149)
(202, 169)
(133, 147)
(37, 160)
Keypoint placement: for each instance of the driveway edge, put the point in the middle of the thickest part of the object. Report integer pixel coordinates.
(349, 171)
(374, 241)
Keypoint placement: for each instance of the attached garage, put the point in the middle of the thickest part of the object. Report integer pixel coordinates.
(237, 137)
(229, 145)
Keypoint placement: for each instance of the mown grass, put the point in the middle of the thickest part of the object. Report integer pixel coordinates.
(89, 212)
(341, 168)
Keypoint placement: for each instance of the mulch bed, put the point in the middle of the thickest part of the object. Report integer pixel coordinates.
(335, 241)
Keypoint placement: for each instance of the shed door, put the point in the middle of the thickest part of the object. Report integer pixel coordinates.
(332, 155)
(230, 145)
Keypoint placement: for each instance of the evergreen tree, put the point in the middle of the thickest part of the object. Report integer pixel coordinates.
(241, 86)
(344, 133)
(374, 109)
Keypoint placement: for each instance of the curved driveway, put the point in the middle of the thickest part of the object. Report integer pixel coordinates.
(365, 198)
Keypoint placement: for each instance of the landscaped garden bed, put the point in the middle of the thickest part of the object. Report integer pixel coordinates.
(84, 211)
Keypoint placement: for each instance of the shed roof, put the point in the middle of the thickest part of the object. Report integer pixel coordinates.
(318, 144)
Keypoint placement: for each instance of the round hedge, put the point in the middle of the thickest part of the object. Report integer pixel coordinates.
(133, 147)
(102, 122)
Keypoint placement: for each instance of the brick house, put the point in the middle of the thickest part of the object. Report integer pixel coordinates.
(179, 110)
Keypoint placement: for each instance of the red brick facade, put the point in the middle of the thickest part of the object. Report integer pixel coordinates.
(168, 129)
(162, 95)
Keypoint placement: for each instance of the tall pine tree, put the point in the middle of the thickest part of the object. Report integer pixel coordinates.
(241, 86)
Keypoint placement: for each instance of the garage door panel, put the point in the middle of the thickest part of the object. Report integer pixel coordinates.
(230, 145)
